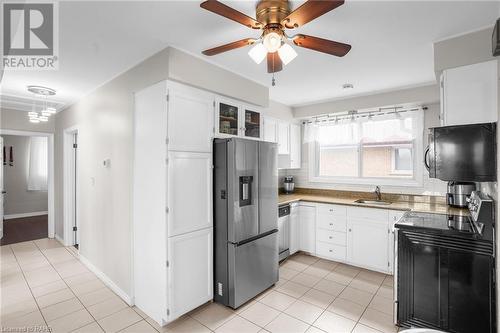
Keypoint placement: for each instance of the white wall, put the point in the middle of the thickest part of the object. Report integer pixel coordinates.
(18, 199)
(18, 120)
(105, 124)
(430, 186)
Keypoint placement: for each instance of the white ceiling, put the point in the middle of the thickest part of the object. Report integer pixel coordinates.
(391, 45)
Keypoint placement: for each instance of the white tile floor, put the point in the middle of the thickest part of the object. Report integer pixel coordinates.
(43, 284)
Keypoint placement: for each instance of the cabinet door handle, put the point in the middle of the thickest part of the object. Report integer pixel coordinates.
(350, 230)
(331, 210)
(330, 250)
(330, 237)
(331, 224)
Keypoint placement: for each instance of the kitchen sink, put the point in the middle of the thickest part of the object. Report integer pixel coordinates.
(373, 202)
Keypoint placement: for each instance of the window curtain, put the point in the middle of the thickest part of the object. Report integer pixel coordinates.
(38, 164)
(384, 128)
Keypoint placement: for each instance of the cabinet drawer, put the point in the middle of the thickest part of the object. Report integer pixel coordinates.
(333, 237)
(332, 222)
(332, 209)
(331, 251)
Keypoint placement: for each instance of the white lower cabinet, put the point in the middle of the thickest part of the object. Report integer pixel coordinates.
(394, 216)
(358, 236)
(190, 271)
(307, 228)
(294, 228)
(367, 244)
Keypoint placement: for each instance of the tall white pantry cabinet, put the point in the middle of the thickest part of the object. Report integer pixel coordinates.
(172, 203)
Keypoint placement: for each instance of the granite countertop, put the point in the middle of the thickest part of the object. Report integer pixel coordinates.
(424, 206)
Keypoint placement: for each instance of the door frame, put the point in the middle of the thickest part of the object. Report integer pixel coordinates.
(50, 179)
(68, 185)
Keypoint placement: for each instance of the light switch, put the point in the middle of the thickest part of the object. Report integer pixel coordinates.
(106, 163)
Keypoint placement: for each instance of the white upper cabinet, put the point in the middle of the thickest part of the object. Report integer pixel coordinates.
(288, 137)
(252, 122)
(189, 192)
(295, 146)
(190, 118)
(469, 94)
(190, 272)
(233, 118)
(283, 138)
(270, 129)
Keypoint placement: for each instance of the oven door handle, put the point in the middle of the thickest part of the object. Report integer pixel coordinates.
(426, 155)
(395, 276)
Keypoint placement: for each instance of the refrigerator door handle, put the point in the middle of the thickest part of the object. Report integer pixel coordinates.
(251, 239)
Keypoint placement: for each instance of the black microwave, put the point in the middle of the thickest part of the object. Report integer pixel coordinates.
(462, 153)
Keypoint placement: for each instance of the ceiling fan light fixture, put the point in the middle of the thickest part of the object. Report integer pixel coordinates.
(258, 53)
(286, 53)
(272, 41)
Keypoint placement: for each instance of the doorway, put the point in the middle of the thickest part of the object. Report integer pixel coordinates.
(71, 223)
(26, 181)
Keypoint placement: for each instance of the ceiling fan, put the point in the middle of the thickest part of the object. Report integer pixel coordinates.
(273, 17)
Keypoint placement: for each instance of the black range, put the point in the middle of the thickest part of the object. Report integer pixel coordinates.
(445, 269)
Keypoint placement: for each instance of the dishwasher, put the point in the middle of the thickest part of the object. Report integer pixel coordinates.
(284, 231)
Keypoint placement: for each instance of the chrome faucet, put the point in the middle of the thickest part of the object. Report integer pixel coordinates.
(377, 193)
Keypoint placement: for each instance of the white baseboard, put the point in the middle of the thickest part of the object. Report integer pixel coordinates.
(107, 281)
(17, 216)
(59, 239)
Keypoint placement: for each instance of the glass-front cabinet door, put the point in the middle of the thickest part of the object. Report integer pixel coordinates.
(252, 127)
(234, 118)
(228, 116)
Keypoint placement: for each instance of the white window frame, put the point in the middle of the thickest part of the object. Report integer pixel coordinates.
(393, 159)
(418, 167)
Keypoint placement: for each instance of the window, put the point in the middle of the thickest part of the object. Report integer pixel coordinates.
(375, 150)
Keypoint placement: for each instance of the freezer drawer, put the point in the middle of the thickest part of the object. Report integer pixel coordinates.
(253, 267)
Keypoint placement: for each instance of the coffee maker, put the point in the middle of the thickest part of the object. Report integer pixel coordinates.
(288, 184)
(458, 192)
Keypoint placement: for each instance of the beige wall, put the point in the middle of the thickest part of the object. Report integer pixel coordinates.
(417, 95)
(105, 127)
(18, 199)
(194, 71)
(18, 120)
(463, 50)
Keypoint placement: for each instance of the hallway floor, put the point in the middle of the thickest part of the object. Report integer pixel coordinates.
(44, 284)
(24, 229)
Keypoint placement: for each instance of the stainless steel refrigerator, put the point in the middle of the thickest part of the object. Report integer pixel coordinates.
(245, 218)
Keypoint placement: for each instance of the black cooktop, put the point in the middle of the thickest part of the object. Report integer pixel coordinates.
(457, 225)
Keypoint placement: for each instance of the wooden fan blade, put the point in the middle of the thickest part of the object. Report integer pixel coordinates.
(322, 45)
(274, 63)
(308, 11)
(221, 9)
(229, 47)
